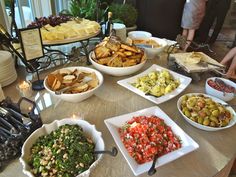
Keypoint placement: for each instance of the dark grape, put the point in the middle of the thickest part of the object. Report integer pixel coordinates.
(51, 20)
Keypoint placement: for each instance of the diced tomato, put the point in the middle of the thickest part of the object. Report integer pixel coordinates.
(147, 136)
(221, 87)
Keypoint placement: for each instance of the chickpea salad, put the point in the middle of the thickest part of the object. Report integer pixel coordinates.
(65, 152)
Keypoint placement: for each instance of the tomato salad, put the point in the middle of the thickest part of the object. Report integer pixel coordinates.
(144, 137)
(221, 87)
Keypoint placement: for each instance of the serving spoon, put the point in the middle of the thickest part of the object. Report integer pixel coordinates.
(152, 170)
(113, 152)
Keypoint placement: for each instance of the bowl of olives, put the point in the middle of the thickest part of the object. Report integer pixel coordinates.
(206, 112)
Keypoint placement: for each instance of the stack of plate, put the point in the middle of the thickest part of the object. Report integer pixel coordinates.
(7, 68)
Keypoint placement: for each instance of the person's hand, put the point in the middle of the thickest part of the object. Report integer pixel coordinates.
(230, 60)
(231, 73)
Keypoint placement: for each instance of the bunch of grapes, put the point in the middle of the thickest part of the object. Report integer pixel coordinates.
(51, 20)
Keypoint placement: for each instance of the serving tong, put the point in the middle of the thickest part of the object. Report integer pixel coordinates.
(145, 46)
(180, 44)
(63, 90)
(206, 64)
(15, 119)
(15, 127)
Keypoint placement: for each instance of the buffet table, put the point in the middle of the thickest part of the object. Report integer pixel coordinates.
(213, 158)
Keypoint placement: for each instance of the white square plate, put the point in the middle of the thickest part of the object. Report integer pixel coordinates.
(184, 82)
(188, 144)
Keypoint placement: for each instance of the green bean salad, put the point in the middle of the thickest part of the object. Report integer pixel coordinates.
(65, 152)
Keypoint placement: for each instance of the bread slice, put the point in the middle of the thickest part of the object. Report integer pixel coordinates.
(130, 48)
(113, 46)
(102, 52)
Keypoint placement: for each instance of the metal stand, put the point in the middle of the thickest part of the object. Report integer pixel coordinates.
(181, 42)
(74, 55)
(38, 84)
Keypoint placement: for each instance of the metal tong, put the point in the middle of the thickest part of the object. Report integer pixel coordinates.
(14, 118)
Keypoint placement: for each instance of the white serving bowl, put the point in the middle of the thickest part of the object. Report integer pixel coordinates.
(219, 94)
(89, 130)
(204, 127)
(115, 71)
(76, 97)
(153, 52)
(139, 35)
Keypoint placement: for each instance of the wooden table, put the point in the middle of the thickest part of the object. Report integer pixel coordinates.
(213, 158)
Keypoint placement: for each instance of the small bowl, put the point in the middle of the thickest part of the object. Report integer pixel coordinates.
(153, 52)
(139, 35)
(219, 94)
(115, 71)
(88, 129)
(76, 97)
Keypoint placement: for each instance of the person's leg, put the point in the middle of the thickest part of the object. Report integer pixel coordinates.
(190, 37)
(222, 9)
(185, 32)
(207, 22)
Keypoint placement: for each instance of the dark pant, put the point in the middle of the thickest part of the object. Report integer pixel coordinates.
(162, 18)
(216, 10)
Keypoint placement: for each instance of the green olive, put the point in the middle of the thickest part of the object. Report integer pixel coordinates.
(206, 110)
(194, 114)
(193, 119)
(183, 103)
(215, 113)
(187, 113)
(209, 101)
(227, 120)
(185, 98)
(191, 103)
(212, 106)
(196, 108)
(214, 119)
(211, 110)
(206, 121)
(224, 123)
(212, 124)
(221, 109)
(184, 109)
(200, 120)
